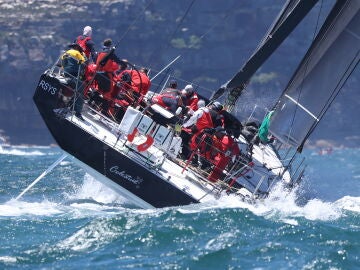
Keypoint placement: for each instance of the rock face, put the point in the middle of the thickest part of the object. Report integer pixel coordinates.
(213, 38)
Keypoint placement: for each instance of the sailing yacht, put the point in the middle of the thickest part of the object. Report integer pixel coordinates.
(135, 149)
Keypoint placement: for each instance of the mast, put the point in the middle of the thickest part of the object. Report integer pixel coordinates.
(289, 17)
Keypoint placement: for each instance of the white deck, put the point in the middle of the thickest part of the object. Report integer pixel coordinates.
(154, 159)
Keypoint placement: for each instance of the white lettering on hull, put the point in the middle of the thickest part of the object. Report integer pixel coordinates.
(47, 87)
(124, 175)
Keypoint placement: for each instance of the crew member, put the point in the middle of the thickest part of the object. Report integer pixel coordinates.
(86, 43)
(72, 62)
(108, 62)
(227, 149)
(169, 99)
(140, 81)
(190, 99)
(204, 118)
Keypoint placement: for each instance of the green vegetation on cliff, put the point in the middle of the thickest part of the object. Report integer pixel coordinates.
(214, 39)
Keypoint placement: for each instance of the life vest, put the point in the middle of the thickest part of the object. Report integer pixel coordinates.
(203, 142)
(110, 65)
(123, 92)
(81, 40)
(90, 71)
(205, 121)
(192, 101)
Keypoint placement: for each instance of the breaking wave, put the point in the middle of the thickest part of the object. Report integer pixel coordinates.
(19, 151)
(93, 198)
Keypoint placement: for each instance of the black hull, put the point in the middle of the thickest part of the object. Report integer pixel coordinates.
(115, 166)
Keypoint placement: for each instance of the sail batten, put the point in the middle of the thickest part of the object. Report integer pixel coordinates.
(331, 59)
(302, 107)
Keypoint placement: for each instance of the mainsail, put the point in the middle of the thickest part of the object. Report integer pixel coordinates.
(290, 16)
(330, 60)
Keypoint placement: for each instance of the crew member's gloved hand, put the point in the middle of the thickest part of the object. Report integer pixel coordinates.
(272, 139)
(209, 130)
(177, 128)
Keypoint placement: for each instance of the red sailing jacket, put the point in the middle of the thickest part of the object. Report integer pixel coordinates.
(81, 40)
(159, 99)
(110, 65)
(205, 121)
(192, 102)
(228, 146)
(140, 82)
(227, 149)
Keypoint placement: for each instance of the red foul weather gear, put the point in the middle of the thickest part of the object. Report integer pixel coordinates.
(110, 65)
(227, 149)
(81, 40)
(140, 82)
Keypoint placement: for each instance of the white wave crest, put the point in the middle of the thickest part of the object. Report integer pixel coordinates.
(8, 259)
(91, 198)
(282, 205)
(14, 208)
(349, 203)
(18, 152)
(92, 189)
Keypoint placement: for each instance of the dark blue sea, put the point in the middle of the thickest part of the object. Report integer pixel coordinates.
(68, 220)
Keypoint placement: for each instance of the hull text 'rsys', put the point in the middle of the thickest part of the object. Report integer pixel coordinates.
(136, 146)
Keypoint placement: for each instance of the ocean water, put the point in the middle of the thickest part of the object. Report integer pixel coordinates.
(68, 220)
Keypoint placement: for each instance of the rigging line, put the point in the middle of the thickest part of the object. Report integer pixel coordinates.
(277, 23)
(305, 71)
(227, 13)
(159, 50)
(336, 92)
(181, 20)
(135, 21)
(176, 58)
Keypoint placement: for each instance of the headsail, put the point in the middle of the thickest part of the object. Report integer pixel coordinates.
(290, 16)
(332, 57)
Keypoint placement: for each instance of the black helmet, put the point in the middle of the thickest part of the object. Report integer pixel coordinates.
(107, 42)
(75, 46)
(173, 84)
(217, 106)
